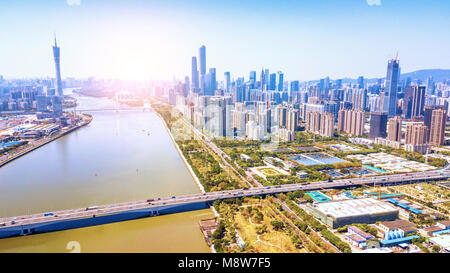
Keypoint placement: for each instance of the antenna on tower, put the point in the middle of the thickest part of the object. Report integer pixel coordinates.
(54, 35)
(396, 56)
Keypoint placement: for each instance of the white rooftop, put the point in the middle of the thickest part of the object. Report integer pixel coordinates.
(354, 207)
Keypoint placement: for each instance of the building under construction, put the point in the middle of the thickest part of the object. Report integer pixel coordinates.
(340, 213)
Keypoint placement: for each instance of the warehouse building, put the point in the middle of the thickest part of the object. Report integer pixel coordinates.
(340, 213)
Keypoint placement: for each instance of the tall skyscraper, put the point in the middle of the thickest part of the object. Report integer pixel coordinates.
(360, 82)
(273, 81)
(417, 101)
(194, 75)
(56, 56)
(378, 122)
(252, 77)
(280, 80)
(202, 60)
(227, 81)
(390, 90)
(437, 131)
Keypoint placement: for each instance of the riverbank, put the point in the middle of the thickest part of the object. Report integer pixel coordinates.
(188, 166)
(26, 151)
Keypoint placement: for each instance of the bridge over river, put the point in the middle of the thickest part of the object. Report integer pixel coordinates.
(103, 214)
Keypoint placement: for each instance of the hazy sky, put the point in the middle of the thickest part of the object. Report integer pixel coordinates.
(156, 39)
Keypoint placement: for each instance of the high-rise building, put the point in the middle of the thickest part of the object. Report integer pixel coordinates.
(56, 56)
(194, 75)
(360, 82)
(327, 125)
(313, 122)
(390, 90)
(292, 120)
(273, 81)
(428, 111)
(416, 134)
(57, 106)
(378, 122)
(280, 81)
(202, 59)
(394, 128)
(351, 121)
(252, 77)
(437, 130)
(227, 81)
(418, 101)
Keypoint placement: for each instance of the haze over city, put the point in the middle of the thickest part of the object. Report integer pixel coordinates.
(142, 40)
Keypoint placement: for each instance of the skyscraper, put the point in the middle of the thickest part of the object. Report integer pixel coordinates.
(202, 60)
(227, 81)
(56, 56)
(378, 122)
(273, 81)
(417, 101)
(390, 90)
(280, 81)
(202, 63)
(194, 75)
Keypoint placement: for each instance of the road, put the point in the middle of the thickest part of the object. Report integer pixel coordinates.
(155, 204)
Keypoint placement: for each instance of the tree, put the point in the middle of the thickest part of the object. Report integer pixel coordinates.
(435, 249)
(277, 224)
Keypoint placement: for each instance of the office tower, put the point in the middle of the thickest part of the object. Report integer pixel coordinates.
(331, 107)
(202, 60)
(378, 122)
(416, 134)
(57, 106)
(390, 90)
(294, 86)
(194, 75)
(252, 77)
(430, 86)
(210, 83)
(339, 83)
(417, 101)
(227, 81)
(394, 128)
(280, 81)
(407, 101)
(273, 81)
(327, 125)
(56, 56)
(360, 82)
(292, 120)
(41, 103)
(437, 130)
(266, 78)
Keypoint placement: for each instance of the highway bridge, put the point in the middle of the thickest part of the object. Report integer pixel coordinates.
(96, 215)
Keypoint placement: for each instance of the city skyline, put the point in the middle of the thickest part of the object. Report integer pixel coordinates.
(113, 46)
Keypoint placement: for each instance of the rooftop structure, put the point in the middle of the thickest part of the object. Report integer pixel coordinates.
(341, 213)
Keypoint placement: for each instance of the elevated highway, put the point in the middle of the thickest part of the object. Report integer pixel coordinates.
(102, 214)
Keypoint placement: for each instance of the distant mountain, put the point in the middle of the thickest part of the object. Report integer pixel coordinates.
(438, 75)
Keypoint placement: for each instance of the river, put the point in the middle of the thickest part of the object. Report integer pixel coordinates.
(120, 156)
